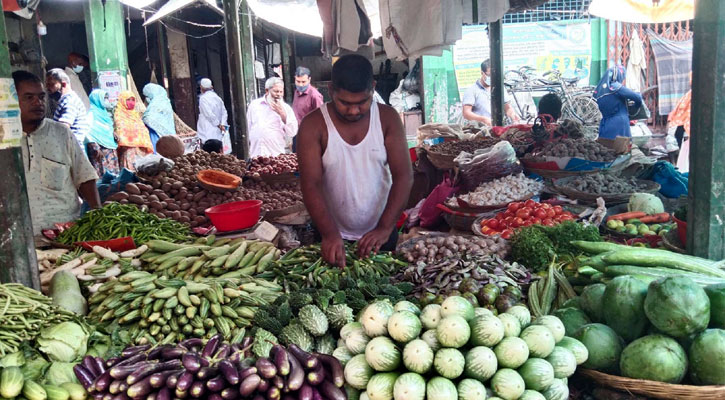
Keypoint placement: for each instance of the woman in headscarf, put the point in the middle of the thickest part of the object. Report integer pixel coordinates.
(159, 116)
(132, 135)
(680, 117)
(612, 98)
(101, 145)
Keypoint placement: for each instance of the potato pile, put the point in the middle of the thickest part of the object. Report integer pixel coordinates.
(273, 196)
(580, 148)
(281, 164)
(434, 248)
(188, 165)
(603, 184)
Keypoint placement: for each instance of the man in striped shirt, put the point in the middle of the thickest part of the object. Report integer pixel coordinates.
(70, 110)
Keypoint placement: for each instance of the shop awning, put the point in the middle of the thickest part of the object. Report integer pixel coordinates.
(296, 15)
(643, 11)
(175, 5)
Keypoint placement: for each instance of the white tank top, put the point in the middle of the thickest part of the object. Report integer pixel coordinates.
(356, 179)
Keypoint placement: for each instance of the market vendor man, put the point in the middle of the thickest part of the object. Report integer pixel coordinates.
(57, 170)
(477, 99)
(354, 165)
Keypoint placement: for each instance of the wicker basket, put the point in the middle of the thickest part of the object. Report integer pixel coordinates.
(458, 220)
(476, 225)
(644, 186)
(658, 390)
(441, 161)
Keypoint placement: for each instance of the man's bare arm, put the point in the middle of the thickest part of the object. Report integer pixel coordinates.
(89, 193)
(471, 116)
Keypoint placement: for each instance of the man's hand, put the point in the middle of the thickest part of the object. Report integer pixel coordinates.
(279, 109)
(333, 251)
(372, 241)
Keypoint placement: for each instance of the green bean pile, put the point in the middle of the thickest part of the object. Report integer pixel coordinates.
(119, 220)
(24, 312)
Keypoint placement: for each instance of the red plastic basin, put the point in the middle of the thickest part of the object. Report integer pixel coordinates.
(681, 230)
(234, 216)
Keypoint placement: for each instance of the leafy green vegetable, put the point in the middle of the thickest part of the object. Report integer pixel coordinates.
(298, 300)
(64, 342)
(263, 342)
(267, 321)
(531, 247)
(296, 333)
(59, 373)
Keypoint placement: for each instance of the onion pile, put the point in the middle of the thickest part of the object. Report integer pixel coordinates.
(434, 248)
(281, 164)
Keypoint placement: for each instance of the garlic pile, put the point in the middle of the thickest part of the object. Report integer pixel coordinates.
(500, 191)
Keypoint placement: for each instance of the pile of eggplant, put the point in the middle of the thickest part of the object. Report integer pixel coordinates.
(213, 370)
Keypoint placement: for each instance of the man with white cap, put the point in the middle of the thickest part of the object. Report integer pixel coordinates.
(212, 123)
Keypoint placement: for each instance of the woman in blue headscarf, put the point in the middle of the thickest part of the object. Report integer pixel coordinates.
(101, 144)
(612, 97)
(159, 116)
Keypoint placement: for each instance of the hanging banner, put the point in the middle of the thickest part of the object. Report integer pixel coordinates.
(112, 83)
(11, 128)
(565, 46)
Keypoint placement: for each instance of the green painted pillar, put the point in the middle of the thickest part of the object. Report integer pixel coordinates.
(706, 220)
(106, 37)
(495, 34)
(18, 262)
(600, 41)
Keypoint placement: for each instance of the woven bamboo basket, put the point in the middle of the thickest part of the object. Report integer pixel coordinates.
(643, 186)
(441, 161)
(658, 390)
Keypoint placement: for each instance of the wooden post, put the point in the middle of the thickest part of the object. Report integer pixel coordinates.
(181, 80)
(238, 60)
(495, 30)
(706, 219)
(163, 77)
(287, 74)
(18, 262)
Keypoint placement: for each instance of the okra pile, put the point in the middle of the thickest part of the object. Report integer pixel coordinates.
(213, 370)
(207, 257)
(160, 310)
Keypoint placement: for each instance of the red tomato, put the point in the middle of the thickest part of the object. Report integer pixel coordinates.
(523, 213)
(550, 213)
(558, 209)
(530, 203)
(508, 221)
(493, 224)
(486, 230)
(545, 206)
(535, 221)
(513, 207)
(506, 234)
(540, 213)
(500, 216)
(547, 222)
(566, 218)
(518, 222)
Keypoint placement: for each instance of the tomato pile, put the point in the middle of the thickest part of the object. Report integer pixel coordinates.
(524, 214)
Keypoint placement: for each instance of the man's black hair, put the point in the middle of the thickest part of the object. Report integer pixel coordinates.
(302, 71)
(550, 104)
(353, 73)
(486, 65)
(212, 146)
(25, 76)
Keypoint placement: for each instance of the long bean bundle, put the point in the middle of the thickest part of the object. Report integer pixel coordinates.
(119, 220)
(23, 313)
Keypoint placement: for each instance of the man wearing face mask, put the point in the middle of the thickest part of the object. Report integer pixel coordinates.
(307, 98)
(477, 100)
(79, 74)
(56, 168)
(70, 109)
(270, 121)
(355, 168)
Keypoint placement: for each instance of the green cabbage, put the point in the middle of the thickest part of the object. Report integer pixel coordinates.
(645, 202)
(64, 342)
(59, 373)
(16, 359)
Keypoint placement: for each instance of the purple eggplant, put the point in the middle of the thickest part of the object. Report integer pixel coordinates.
(123, 387)
(115, 387)
(229, 372)
(123, 371)
(207, 372)
(334, 369)
(103, 382)
(112, 361)
(246, 344)
(211, 346)
(108, 396)
(263, 386)
(223, 351)
(164, 394)
(215, 396)
(172, 380)
(258, 397)
(274, 393)
(316, 395)
(191, 362)
(155, 353)
(266, 368)
(121, 396)
(331, 391)
(191, 343)
(296, 377)
(185, 381)
(230, 393)
(197, 390)
(134, 359)
(289, 397)
(90, 364)
(316, 376)
(97, 396)
(151, 368)
(133, 350)
(307, 360)
(246, 372)
(278, 382)
(281, 359)
(140, 388)
(152, 396)
(181, 394)
(305, 392)
(172, 353)
(158, 379)
(84, 376)
(216, 384)
(100, 364)
(249, 385)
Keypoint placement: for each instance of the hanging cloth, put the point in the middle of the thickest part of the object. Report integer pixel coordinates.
(159, 114)
(674, 62)
(636, 63)
(102, 124)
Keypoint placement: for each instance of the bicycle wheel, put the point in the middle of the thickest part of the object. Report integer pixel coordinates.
(582, 108)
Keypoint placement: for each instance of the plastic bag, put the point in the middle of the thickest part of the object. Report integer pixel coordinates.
(673, 182)
(227, 143)
(430, 214)
(487, 164)
(153, 164)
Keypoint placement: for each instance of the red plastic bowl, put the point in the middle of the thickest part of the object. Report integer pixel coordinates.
(681, 230)
(234, 216)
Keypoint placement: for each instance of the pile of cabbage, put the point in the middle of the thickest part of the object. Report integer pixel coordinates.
(455, 351)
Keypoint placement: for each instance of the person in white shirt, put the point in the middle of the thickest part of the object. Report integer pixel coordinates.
(212, 123)
(56, 168)
(271, 122)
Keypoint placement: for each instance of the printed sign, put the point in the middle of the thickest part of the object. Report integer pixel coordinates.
(11, 129)
(112, 83)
